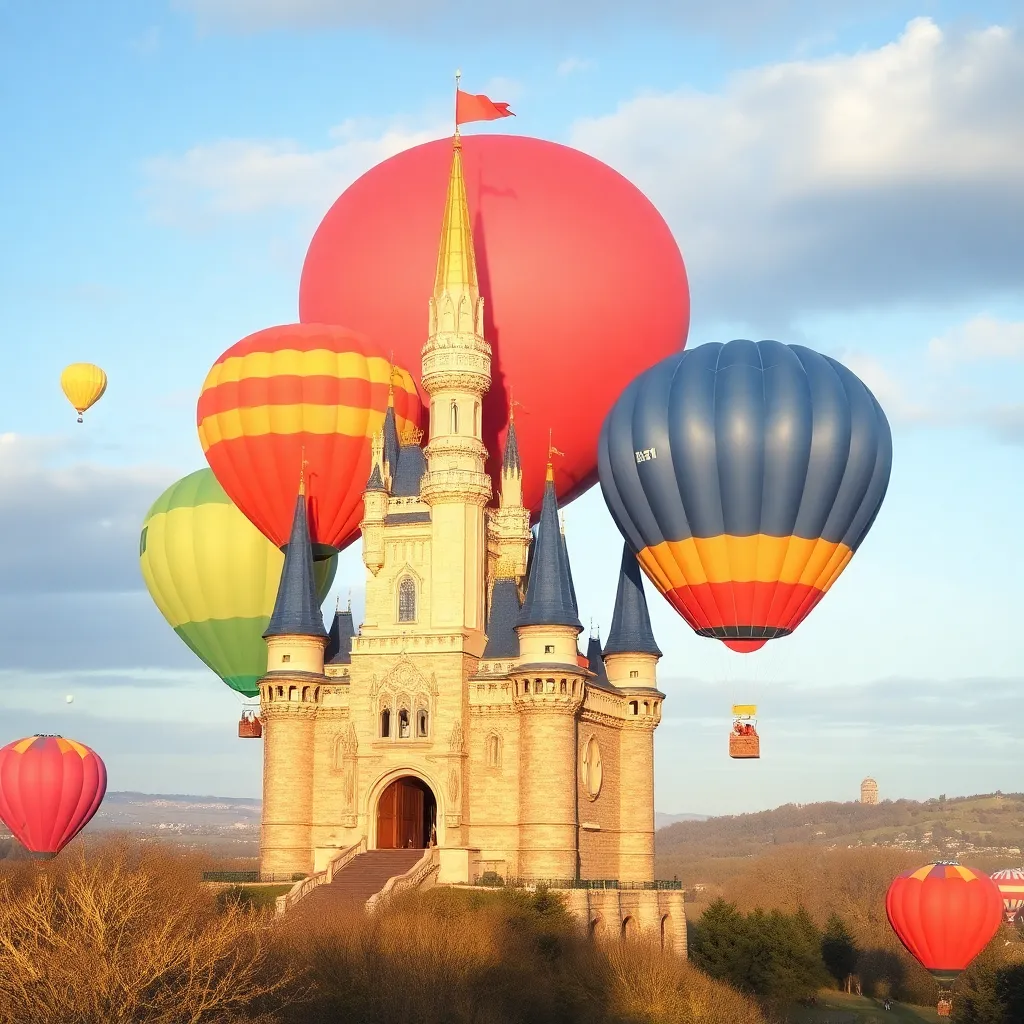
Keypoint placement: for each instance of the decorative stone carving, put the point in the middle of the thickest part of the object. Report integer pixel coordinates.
(453, 785)
(592, 773)
(457, 740)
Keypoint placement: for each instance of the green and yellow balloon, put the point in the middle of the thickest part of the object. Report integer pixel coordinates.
(214, 577)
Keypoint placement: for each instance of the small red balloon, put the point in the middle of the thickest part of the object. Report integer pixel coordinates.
(50, 787)
(945, 915)
(584, 286)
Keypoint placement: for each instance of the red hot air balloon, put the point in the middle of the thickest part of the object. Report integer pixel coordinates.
(945, 915)
(583, 285)
(50, 787)
(293, 395)
(1011, 887)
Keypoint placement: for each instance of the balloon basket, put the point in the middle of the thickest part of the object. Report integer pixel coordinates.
(745, 746)
(945, 1006)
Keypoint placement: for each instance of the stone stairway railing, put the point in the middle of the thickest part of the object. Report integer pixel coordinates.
(427, 865)
(301, 889)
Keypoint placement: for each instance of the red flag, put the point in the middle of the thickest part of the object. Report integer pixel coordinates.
(478, 108)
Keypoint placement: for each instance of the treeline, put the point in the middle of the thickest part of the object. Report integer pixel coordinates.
(738, 835)
(125, 933)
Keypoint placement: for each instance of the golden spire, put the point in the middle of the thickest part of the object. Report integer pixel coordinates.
(302, 472)
(391, 381)
(456, 260)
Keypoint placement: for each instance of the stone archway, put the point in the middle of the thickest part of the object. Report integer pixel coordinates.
(406, 815)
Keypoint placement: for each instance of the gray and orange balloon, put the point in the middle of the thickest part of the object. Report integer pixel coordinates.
(744, 476)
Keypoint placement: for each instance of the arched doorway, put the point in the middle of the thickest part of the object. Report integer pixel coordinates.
(406, 815)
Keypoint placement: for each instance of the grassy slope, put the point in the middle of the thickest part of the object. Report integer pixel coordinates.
(839, 1008)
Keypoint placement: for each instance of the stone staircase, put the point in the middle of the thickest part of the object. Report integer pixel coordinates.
(349, 890)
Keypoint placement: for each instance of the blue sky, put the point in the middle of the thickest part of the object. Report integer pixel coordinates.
(844, 175)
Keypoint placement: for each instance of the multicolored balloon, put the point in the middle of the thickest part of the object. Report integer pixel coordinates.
(744, 476)
(301, 395)
(50, 787)
(214, 577)
(83, 385)
(945, 915)
(1011, 886)
(579, 272)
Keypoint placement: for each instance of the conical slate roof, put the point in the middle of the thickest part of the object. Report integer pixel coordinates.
(631, 631)
(391, 445)
(297, 609)
(550, 600)
(511, 463)
(376, 482)
(502, 638)
(595, 662)
(339, 643)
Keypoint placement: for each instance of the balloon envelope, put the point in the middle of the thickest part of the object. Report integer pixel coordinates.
(744, 476)
(945, 915)
(293, 394)
(583, 285)
(50, 787)
(83, 385)
(214, 577)
(1010, 882)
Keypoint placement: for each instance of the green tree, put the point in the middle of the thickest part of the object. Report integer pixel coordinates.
(839, 950)
(785, 956)
(721, 946)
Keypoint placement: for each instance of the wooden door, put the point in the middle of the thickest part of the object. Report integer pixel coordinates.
(411, 828)
(387, 818)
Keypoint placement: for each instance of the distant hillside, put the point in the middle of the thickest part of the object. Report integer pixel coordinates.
(988, 825)
(662, 820)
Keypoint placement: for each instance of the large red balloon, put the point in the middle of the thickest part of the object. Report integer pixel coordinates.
(50, 787)
(945, 915)
(583, 283)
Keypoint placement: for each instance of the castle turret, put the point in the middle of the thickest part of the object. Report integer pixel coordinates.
(375, 508)
(339, 643)
(548, 689)
(631, 658)
(509, 523)
(289, 695)
(456, 374)
(595, 661)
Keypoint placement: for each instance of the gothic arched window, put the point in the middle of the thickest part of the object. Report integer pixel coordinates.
(385, 723)
(403, 724)
(407, 600)
(493, 751)
(455, 417)
(421, 723)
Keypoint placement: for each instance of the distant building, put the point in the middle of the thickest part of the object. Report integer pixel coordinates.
(869, 791)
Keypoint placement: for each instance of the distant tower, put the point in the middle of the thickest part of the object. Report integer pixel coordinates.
(631, 658)
(869, 792)
(289, 695)
(548, 688)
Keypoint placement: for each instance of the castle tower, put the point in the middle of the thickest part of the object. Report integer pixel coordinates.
(631, 658)
(869, 791)
(548, 689)
(289, 695)
(456, 374)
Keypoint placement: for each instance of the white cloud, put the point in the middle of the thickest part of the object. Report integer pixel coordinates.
(982, 339)
(853, 180)
(235, 177)
(896, 399)
(573, 65)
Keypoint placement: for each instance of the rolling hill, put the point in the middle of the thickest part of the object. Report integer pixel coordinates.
(990, 826)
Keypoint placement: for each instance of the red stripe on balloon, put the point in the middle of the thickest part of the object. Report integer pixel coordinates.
(752, 604)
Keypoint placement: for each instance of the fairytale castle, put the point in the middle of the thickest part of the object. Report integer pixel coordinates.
(461, 717)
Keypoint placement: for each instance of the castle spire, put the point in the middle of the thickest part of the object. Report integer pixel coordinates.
(456, 260)
(631, 631)
(297, 608)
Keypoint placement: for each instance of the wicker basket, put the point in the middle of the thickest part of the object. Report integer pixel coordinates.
(744, 746)
(250, 728)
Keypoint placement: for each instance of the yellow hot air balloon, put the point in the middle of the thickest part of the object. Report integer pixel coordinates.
(83, 384)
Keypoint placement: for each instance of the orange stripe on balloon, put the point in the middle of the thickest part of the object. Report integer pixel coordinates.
(320, 362)
(22, 745)
(261, 420)
(759, 558)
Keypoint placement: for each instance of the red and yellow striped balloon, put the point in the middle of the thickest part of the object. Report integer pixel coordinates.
(301, 392)
(50, 787)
